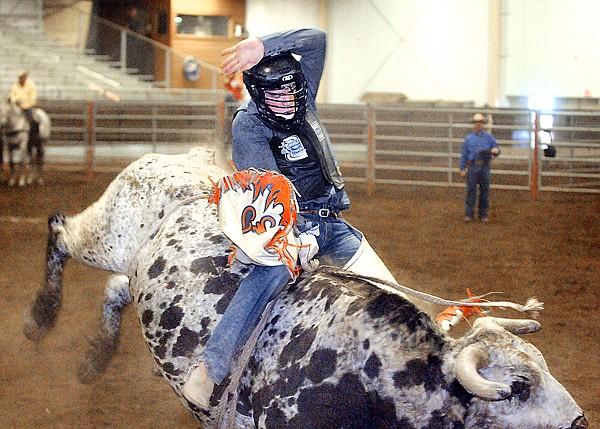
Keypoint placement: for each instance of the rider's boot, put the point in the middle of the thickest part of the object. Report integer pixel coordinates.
(199, 387)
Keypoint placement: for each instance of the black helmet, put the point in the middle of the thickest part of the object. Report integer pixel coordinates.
(275, 73)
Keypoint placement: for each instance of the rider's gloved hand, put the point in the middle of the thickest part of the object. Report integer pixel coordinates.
(308, 249)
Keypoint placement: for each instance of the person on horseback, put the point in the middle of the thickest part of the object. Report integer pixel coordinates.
(24, 94)
(278, 130)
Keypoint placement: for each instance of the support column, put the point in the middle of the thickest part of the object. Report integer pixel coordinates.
(495, 53)
(323, 24)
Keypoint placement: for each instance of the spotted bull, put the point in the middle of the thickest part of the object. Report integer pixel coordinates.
(336, 352)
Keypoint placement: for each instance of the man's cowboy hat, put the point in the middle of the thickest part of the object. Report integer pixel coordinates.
(478, 117)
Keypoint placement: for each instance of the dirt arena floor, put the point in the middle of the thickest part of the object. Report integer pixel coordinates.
(549, 249)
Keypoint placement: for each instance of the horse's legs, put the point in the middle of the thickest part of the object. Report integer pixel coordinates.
(12, 177)
(41, 315)
(104, 344)
(19, 168)
(23, 174)
(1, 157)
(39, 160)
(35, 153)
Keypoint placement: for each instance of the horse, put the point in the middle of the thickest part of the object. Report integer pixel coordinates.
(24, 144)
(335, 351)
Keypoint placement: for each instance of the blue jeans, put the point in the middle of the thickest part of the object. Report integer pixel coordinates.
(478, 175)
(338, 242)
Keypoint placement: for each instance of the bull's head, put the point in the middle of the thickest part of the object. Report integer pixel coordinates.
(510, 381)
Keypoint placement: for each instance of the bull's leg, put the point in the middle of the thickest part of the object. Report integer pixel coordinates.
(41, 315)
(104, 344)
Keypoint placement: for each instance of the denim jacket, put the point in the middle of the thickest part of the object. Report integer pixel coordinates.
(304, 155)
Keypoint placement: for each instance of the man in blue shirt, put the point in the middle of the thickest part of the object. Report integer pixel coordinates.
(477, 152)
(278, 130)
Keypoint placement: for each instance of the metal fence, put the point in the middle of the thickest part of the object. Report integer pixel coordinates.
(422, 146)
(576, 165)
(373, 143)
(95, 133)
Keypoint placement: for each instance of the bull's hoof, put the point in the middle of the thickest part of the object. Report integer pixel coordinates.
(22, 181)
(12, 181)
(97, 358)
(88, 371)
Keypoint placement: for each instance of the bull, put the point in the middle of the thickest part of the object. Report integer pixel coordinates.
(334, 352)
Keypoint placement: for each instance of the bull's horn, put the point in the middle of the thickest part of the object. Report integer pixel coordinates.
(467, 361)
(514, 326)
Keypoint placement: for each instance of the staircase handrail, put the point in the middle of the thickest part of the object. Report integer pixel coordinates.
(125, 33)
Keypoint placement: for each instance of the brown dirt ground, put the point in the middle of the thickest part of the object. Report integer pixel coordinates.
(549, 248)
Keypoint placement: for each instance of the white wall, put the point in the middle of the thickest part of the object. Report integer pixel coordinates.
(426, 49)
(440, 49)
(268, 16)
(553, 47)
(77, 15)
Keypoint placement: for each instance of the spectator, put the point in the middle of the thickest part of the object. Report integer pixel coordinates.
(140, 50)
(477, 152)
(235, 86)
(134, 22)
(24, 94)
(278, 130)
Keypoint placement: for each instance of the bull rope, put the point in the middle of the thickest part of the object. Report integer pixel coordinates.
(532, 306)
(227, 404)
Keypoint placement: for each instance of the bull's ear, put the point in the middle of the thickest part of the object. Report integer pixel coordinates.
(467, 362)
(514, 326)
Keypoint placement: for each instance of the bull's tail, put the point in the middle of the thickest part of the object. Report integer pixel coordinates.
(41, 314)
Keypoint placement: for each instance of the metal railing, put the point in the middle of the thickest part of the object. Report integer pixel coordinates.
(61, 70)
(131, 52)
(410, 145)
(373, 143)
(576, 163)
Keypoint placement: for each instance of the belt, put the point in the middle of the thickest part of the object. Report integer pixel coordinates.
(325, 213)
(480, 162)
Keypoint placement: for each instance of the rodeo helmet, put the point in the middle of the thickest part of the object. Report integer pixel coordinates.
(277, 72)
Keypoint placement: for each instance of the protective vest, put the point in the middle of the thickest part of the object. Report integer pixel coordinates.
(305, 156)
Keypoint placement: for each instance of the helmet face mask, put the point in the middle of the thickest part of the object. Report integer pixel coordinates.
(278, 87)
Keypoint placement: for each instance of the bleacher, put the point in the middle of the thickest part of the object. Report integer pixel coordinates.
(64, 73)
